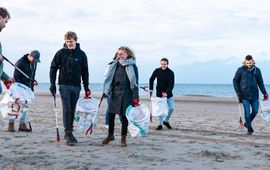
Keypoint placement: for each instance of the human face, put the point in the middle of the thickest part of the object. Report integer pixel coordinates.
(31, 59)
(71, 43)
(163, 65)
(3, 22)
(249, 63)
(122, 55)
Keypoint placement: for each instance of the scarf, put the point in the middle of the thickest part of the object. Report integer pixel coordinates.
(107, 86)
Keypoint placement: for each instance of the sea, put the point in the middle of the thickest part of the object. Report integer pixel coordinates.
(214, 90)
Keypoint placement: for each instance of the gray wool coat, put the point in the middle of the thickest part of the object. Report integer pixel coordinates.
(122, 96)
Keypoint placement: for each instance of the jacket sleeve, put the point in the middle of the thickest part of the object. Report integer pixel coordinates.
(260, 82)
(18, 75)
(85, 73)
(152, 79)
(55, 64)
(135, 90)
(236, 82)
(171, 83)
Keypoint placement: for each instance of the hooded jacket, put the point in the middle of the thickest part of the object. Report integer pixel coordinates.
(246, 82)
(73, 67)
(28, 68)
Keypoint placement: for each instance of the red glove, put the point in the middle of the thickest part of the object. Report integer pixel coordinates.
(8, 82)
(265, 96)
(87, 94)
(136, 102)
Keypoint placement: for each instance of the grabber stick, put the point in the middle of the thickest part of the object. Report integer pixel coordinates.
(240, 115)
(19, 70)
(56, 120)
(90, 129)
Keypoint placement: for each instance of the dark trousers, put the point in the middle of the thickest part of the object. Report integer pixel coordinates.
(124, 124)
(69, 96)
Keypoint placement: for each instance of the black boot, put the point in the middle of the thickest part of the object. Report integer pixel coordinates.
(70, 139)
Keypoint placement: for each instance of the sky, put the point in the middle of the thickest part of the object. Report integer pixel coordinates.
(205, 41)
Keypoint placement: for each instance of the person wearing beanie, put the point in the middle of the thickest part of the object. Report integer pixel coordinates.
(246, 81)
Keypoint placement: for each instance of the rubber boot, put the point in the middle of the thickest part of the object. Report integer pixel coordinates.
(123, 141)
(10, 127)
(108, 139)
(23, 128)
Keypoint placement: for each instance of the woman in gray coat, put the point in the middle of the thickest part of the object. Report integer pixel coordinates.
(121, 85)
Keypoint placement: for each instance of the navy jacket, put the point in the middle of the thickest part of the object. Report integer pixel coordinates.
(73, 67)
(165, 81)
(246, 82)
(28, 68)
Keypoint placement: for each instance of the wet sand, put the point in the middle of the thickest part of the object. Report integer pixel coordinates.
(205, 135)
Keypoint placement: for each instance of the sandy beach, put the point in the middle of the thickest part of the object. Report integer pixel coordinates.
(205, 135)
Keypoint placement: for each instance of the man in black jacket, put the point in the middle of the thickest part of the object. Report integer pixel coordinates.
(165, 84)
(73, 66)
(27, 64)
(246, 81)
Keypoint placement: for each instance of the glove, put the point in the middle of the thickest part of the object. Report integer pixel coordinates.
(265, 96)
(240, 98)
(136, 102)
(8, 82)
(53, 89)
(87, 94)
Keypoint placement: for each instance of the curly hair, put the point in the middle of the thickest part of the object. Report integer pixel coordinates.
(4, 13)
(71, 35)
(129, 52)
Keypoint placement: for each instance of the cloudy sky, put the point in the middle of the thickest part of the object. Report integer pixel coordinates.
(205, 41)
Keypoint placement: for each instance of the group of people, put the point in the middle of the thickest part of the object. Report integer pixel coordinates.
(121, 84)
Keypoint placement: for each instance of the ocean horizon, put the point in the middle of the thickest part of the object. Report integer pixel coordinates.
(180, 89)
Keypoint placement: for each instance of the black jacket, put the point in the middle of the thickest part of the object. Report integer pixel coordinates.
(28, 68)
(122, 96)
(73, 67)
(165, 81)
(246, 82)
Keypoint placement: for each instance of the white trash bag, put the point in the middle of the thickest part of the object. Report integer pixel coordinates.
(18, 96)
(138, 118)
(159, 106)
(265, 109)
(85, 112)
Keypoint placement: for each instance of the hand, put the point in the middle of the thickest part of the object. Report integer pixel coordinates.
(34, 83)
(164, 94)
(136, 102)
(12, 80)
(265, 96)
(8, 82)
(53, 89)
(87, 94)
(1, 58)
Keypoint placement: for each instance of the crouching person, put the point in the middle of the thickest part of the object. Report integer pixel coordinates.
(121, 85)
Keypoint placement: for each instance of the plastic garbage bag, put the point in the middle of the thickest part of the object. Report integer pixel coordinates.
(16, 98)
(138, 118)
(159, 106)
(85, 112)
(265, 109)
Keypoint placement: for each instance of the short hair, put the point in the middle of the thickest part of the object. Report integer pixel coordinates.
(4, 13)
(71, 35)
(165, 59)
(129, 52)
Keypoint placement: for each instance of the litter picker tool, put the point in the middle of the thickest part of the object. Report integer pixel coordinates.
(240, 117)
(56, 120)
(90, 129)
(34, 81)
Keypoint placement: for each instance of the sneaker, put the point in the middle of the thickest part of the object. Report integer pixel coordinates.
(159, 127)
(167, 124)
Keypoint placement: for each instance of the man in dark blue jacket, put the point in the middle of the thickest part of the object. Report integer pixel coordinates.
(165, 84)
(73, 66)
(27, 64)
(246, 81)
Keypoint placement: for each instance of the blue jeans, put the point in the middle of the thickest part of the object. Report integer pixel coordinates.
(23, 113)
(69, 97)
(107, 113)
(170, 102)
(249, 116)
